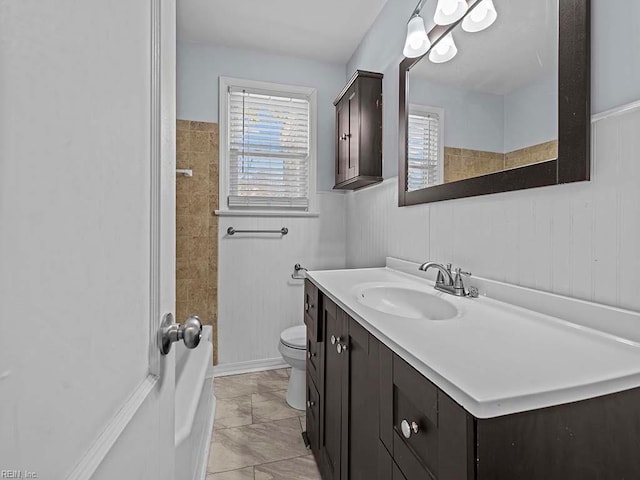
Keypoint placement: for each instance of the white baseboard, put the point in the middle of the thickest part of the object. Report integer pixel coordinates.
(247, 367)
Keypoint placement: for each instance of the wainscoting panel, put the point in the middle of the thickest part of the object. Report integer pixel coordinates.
(579, 239)
(257, 296)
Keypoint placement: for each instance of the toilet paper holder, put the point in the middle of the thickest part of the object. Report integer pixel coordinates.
(298, 272)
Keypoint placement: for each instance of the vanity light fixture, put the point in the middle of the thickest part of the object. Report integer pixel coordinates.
(444, 50)
(417, 42)
(481, 17)
(450, 11)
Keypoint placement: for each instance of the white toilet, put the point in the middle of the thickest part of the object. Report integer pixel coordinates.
(293, 347)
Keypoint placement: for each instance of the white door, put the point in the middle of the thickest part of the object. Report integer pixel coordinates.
(87, 175)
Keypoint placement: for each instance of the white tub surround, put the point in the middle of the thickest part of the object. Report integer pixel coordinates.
(497, 358)
(195, 406)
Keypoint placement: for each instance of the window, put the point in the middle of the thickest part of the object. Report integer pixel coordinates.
(425, 147)
(270, 142)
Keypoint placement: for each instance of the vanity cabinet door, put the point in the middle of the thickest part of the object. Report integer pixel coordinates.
(437, 438)
(333, 378)
(360, 402)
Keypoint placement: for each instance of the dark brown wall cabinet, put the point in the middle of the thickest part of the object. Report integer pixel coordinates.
(359, 132)
(371, 416)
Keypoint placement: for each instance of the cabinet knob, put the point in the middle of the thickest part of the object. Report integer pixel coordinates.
(306, 306)
(310, 355)
(345, 136)
(342, 347)
(310, 403)
(407, 428)
(334, 339)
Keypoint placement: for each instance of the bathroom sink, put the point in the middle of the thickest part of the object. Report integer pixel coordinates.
(407, 302)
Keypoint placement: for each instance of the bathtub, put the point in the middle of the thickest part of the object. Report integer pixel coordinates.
(194, 407)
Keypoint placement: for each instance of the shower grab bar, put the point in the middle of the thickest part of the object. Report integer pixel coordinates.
(233, 231)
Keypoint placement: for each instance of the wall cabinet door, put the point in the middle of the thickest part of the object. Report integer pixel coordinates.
(359, 132)
(342, 140)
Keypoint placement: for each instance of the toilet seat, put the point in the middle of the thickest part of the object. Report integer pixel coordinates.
(295, 337)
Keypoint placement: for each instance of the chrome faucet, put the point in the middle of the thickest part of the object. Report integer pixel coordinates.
(447, 283)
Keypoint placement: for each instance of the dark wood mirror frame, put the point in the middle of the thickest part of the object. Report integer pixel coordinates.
(574, 118)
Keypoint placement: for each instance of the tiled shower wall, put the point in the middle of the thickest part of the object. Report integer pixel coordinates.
(461, 163)
(196, 225)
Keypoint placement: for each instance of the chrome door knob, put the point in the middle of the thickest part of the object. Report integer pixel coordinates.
(334, 339)
(342, 347)
(407, 428)
(190, 332)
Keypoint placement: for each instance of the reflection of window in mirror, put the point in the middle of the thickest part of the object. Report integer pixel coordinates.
(426, 148)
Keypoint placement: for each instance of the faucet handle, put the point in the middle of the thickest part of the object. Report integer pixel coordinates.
(457, 282)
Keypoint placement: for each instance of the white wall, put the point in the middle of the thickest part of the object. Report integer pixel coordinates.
(531, 114)
(257, 297)
(473, 120)
(494, 123)
(200, 66)
(578, 239)
(615, 29)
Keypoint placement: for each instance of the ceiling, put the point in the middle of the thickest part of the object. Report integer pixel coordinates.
(518, 48)
(324, 30)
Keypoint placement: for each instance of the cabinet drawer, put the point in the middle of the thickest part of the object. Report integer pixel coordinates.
(313, 356)
(415, 401)
(311, 309)
(313, 415)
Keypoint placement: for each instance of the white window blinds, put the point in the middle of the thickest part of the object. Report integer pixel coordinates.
(424, 163)
(268, 149)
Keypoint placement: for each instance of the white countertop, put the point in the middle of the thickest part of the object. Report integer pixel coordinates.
(496, 358)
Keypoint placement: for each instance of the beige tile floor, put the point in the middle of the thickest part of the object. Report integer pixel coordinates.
(256, 435)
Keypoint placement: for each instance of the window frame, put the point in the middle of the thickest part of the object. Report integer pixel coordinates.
(223, 166)
(418, 109)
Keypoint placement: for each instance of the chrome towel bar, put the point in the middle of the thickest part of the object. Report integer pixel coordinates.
(233, 231)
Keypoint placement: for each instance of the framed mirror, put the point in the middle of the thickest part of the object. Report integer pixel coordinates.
(502, 109)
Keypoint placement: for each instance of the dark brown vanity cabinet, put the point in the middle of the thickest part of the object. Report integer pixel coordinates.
(359, 132)
(427, 434)
(312, 317)
(372, 416)
(348, 406)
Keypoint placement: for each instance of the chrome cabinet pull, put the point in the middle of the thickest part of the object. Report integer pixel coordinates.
(310, 403)
(306, 306)
(342, 347)
(334, 339)
(407, 428)
(190, 332)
